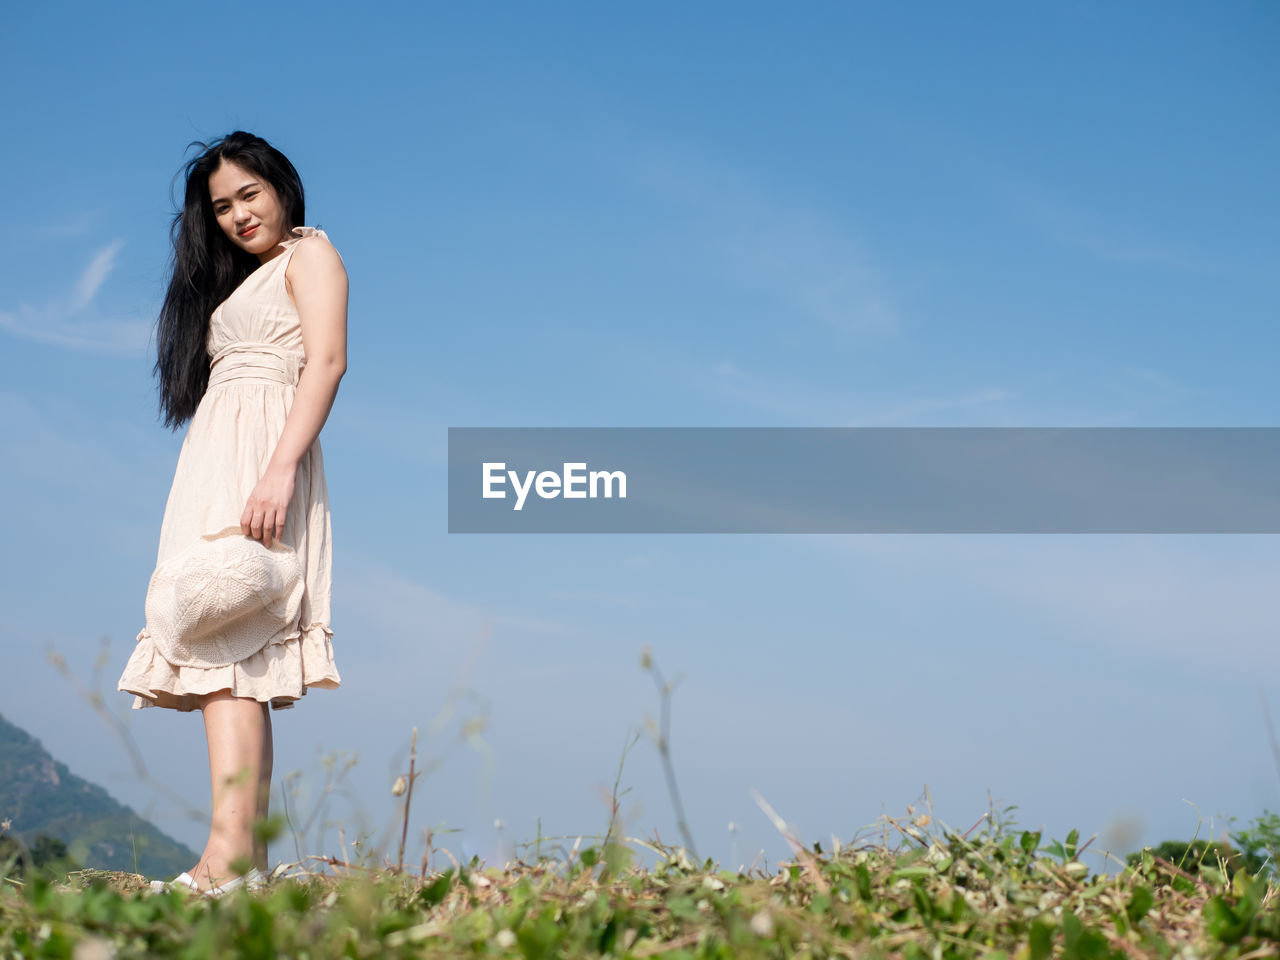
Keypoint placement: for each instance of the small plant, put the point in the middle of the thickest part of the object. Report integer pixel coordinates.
(47, 855)
(1260, 845)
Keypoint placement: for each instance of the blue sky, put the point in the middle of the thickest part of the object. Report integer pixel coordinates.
(662, 215)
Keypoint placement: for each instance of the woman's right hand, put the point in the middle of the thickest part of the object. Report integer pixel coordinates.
(268, 505)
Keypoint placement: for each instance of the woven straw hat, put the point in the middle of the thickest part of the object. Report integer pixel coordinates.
(223, 599)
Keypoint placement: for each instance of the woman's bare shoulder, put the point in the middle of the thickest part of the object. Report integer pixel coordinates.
(315, 256)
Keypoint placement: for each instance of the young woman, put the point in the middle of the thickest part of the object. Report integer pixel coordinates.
(251, 346)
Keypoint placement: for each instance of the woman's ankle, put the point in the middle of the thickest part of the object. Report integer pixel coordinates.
(225, 860)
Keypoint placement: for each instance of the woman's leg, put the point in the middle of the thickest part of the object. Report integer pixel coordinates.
(235, 728)
(264, 788)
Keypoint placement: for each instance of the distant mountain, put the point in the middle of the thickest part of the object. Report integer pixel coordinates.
(39, 795)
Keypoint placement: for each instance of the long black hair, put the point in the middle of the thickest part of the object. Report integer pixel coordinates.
(207, 267)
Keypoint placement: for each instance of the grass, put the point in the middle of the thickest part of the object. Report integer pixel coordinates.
(936, 893)
(920, 889)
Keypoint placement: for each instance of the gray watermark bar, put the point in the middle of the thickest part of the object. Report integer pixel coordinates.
(864, 480)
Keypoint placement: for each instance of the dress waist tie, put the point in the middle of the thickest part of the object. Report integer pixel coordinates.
(259, 361)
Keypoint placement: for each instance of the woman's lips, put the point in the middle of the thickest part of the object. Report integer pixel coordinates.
(250, 232)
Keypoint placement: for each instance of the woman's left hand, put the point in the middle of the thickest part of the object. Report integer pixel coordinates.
(264, 514)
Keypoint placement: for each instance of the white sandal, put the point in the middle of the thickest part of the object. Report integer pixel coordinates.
(253, 880)
(183, 881)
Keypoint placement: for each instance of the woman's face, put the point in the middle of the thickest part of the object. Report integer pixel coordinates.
(247, 209)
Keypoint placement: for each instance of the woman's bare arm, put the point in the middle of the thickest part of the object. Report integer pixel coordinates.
(319, 286)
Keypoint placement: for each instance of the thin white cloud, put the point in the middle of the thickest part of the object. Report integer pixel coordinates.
(44, 451)
(811, 405)
(75, 225)
(408, 616)
(1198, 602)
(810, 265)
(1072, 223)
(798, 255)
(913, 408)
(95, 275)
(726, 368)
(72, 323)
(381, 429)
(1108, 394)
(1052, 213)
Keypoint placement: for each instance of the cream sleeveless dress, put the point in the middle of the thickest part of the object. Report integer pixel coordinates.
(276, 653)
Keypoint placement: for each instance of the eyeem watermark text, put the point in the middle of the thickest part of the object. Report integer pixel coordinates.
(575, 483)
(874, 480)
